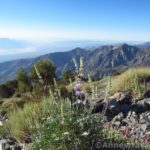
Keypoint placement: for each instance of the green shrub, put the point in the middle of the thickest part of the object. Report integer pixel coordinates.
(1, 101)
(68, 128)
(3, 131)
(5, 91)
(64, 92)
(43, 70)
(66, 77)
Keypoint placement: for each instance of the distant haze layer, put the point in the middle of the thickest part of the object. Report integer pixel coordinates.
(11, 49)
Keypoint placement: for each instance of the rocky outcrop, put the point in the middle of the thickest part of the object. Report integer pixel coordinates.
(132, 118)
(9, 144)
(119, 102)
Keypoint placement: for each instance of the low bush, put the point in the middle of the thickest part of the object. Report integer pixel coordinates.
(64, 92)
(68, 128)
(54, 125)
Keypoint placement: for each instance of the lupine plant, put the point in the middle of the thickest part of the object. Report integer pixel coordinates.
(80, 96)
(69, 127)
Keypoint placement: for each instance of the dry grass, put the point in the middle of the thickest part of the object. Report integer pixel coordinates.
(23, 122)
(133, 79)
(9, 104)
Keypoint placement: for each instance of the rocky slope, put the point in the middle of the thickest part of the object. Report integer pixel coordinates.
(131, 117)
(101, 61)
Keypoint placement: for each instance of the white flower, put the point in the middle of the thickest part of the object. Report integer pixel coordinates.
(85, 133)
(66, 133)
(84, 102)
(56, 139)
(79, 101)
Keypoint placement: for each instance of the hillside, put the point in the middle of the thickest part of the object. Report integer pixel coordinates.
(61, 60)
(101, 61)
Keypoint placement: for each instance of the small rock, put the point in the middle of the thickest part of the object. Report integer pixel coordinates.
(11, 141)
(125, 122)
(147, 133)
(4, 145)
(147, 94)
(114, 107)
(116, 123)
(124, 98)
(119, 117)
(141, 106)
(125, 108)
(148, 118)
(98, 107)
(142, 121)
(7, 146)
(135, 115)
(144, 127)
(129, 114)
(15, 147)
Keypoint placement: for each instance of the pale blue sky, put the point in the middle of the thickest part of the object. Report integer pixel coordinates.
(75, 19)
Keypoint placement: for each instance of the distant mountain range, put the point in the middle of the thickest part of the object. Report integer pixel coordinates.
(101, 61)
(11, 49)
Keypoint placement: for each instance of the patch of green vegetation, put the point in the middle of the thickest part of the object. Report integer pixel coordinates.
(57, 125)
(114, 135)
(8, 105)
(24, 122)
(54, 123)
(68, 128)
(4, 131)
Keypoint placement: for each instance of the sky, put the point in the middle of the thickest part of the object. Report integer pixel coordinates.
(44, 20)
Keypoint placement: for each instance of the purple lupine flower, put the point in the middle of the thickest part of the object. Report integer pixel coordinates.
(79, 93)
(77, 87)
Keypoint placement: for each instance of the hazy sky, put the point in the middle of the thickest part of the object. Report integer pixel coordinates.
(75, 19)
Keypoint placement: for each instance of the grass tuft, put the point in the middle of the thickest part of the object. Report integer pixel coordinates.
(134, 80)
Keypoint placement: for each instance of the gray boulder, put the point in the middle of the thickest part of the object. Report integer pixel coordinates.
(114, 107)
(98, 107)
(125, 108)
(141, 106)
(4, 145)
(122, 97)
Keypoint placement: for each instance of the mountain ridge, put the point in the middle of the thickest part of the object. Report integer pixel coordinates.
(102, 61)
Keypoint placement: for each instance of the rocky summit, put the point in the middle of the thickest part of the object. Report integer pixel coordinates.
(131, 117)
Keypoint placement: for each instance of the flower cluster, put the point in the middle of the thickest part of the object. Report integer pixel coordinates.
(80, 96)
